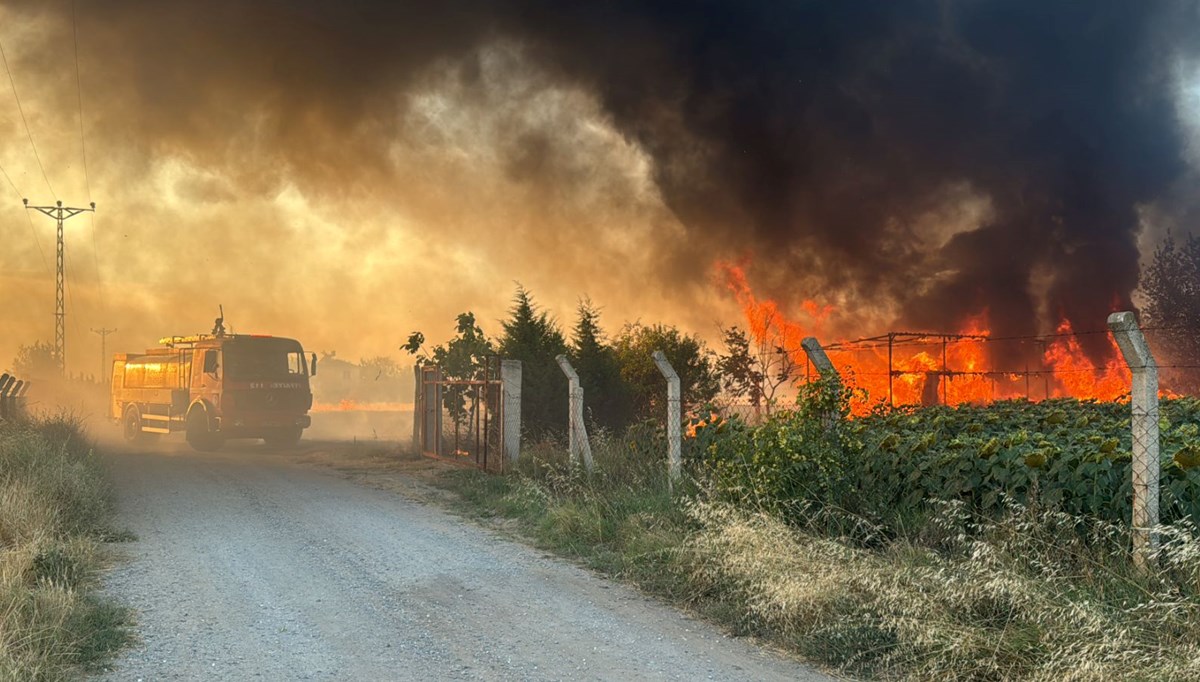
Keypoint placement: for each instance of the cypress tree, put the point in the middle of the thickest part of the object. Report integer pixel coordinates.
(532, 337)
(606, 395)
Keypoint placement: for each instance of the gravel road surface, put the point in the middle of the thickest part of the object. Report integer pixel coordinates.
(250, 566)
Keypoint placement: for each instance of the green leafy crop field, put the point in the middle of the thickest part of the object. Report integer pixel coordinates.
(1066, 454)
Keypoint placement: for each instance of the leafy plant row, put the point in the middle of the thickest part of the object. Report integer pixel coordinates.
(1073, 455)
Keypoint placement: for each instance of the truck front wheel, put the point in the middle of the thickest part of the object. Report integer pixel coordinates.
(198, 434)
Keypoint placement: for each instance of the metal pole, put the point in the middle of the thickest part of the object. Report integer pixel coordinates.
(945, 374)
(487, 410)
(891, 395)
(418, 408)
(1045, 373)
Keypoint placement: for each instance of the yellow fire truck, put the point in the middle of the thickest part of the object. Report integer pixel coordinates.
(214, 387)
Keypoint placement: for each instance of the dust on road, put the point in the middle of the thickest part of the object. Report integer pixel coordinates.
(249, 565)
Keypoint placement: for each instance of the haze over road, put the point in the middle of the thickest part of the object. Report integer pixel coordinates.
(250, 566)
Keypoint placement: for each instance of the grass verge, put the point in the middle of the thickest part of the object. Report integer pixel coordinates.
(1027, 595)
(55, 510)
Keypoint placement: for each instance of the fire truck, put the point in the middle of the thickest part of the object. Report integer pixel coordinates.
(215, 387)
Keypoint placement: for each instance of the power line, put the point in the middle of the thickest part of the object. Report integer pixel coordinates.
(32, 229)
(12, 81)
(41, 252)
(83, 150)
(10, 182)
(79, 93)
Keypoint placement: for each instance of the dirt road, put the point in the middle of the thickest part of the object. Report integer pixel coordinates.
(250, 566)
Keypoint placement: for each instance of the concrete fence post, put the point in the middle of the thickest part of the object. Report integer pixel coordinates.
(510, 406)
(1145, 463)
(816, 355)
(674, 419)
(418, 409)
(577, 438)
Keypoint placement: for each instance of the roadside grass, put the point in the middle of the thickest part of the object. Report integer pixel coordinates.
(1026, 595)
(620, 520)
(55, 510)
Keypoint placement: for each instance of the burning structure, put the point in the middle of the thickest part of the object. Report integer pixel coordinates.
(922, 368)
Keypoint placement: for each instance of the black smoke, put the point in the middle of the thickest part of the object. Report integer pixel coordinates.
(812, 134)
(828, 124)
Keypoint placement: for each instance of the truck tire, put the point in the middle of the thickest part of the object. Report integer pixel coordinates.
(283, 438)
(131, 424)
(198, 434)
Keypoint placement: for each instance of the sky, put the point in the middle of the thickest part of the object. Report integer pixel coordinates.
(346, 173)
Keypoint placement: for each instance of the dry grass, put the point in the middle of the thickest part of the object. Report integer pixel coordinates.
(1028, 597)
(54, 513)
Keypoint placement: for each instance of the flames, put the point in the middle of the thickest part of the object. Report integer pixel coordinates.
(969, 365)
(347, 405)
(1077, 376)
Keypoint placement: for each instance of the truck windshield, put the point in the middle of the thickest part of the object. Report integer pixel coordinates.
(265, 359)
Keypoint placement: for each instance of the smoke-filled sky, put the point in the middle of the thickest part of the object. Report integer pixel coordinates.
(346, 172)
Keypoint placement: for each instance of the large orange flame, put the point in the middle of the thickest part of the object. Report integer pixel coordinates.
(939, 368)
(1077, 377)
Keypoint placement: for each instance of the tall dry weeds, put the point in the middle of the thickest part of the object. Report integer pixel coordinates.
(1026, 597)
(54, 510)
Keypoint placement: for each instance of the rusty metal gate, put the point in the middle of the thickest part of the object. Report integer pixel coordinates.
(461, 420)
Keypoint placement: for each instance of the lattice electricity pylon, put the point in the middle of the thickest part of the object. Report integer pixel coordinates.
(60, 214)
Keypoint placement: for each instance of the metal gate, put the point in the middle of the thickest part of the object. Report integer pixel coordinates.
(461, 420)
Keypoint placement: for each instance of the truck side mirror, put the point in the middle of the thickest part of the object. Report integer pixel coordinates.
(314, 365)
(210, 362)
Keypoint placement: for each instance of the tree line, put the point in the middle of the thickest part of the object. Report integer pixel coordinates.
(620, 381)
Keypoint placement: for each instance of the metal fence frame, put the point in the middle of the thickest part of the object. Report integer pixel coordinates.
(479, 439)
(13, 393)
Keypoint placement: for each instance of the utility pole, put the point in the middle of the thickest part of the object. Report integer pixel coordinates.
(60, 214)
(104, 376)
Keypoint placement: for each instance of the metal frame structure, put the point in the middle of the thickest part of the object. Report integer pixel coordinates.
(60, 214)
(892, 339)
(478, 438)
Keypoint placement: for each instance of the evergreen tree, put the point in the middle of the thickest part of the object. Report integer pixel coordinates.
(532, 337)
(606, 396)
